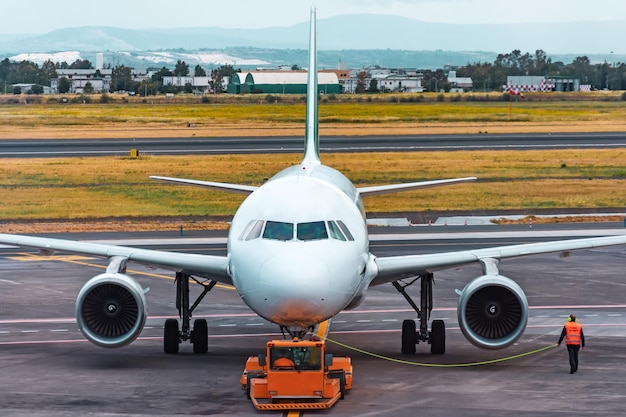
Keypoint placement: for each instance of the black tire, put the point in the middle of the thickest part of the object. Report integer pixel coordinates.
(438, 337)
(171, 336)
(342, 385)
(248, 378)
(408, 337)
(200, 336)
(341, 376)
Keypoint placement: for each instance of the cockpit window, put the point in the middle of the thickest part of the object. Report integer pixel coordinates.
(335, 231)
(255, 231)
(252, 230)
(345, 230)
(278, 231)
(312, 231)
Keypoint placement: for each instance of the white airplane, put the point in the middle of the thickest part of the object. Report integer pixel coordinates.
(298, 254)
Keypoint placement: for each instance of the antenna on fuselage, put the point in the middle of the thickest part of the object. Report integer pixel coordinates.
(311, 137)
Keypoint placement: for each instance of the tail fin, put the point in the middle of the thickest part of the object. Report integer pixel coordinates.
(311, 138)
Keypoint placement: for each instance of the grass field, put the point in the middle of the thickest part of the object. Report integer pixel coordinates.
(85, 188)
(383, 115)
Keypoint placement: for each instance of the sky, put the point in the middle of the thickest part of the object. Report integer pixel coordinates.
(41, 16)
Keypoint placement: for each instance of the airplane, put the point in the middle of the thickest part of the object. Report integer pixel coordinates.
(298, 254)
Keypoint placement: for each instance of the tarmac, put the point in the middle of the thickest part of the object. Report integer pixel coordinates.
(48, 369)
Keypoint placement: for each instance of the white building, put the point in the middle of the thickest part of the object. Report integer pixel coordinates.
(406, 81)
(100, 80)
(199, 84)
(459, 84)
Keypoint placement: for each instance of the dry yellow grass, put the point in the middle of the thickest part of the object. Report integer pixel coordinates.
(113, 187)
(76, 189)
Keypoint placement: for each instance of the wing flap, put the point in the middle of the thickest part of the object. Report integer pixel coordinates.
(392, 268)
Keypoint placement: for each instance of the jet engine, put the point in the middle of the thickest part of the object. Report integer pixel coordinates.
(492, 311)
(111, 310)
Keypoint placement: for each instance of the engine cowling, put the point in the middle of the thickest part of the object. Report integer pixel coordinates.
(111, 310)
(492, 311)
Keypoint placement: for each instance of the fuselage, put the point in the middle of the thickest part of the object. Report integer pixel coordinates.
(298, 246)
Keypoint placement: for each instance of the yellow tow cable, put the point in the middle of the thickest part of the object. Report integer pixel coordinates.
(440, 365)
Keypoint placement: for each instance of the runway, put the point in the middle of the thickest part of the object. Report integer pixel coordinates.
(47, 368)
(44, 148)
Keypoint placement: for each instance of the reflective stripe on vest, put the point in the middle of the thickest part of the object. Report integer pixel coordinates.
(572, 333)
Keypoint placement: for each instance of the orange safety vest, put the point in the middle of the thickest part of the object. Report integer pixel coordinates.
(572, 333)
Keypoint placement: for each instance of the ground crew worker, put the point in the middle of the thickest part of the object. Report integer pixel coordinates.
(574, 340)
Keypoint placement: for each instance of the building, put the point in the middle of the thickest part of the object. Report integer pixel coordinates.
(281, 82)
(100, 80)
(400, 80)
(459, 84)
(27, 88)
(556, 83)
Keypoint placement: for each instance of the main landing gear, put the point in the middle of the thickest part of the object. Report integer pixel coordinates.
(410, 335)
(199, 336)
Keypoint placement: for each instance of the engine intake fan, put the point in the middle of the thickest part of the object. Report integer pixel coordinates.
(492, 311)
(111, 310)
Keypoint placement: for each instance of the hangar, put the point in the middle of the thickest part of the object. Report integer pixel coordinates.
(281, 82)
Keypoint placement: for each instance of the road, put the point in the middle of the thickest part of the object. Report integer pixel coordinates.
(47, 368)
(197, 146)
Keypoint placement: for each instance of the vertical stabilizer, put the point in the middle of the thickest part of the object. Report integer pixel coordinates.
(311, 138)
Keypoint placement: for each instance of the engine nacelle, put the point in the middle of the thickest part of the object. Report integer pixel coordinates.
(111, 310)
(492, 311)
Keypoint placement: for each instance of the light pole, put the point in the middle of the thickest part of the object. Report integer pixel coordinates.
(612, 65)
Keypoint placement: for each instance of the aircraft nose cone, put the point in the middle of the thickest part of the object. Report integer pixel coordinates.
(295, 289)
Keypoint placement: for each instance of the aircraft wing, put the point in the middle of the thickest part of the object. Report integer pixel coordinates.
(395, 188)
(208, 266)
(222, 186)
(392, 268)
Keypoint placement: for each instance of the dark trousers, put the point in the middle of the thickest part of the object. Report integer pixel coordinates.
(572, 350)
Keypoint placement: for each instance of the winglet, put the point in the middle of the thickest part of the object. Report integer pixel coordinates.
(311, 139)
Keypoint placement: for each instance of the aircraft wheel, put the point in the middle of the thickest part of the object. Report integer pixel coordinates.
(438, 337)
(200, 336)
(408, 336)
(171, 336)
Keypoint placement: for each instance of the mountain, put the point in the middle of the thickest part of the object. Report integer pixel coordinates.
(390, 40)
(358, 31)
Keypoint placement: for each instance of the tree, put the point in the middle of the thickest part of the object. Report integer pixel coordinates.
(217, 78)
(88, 89)
(360, 82)
(373, 88)
(81, 64)
(64, 85)
(36, 89)
(181, 69)
(199, 71)
(48, 72)
(121, 78)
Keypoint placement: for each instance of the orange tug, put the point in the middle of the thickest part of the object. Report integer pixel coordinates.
(296, 375)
